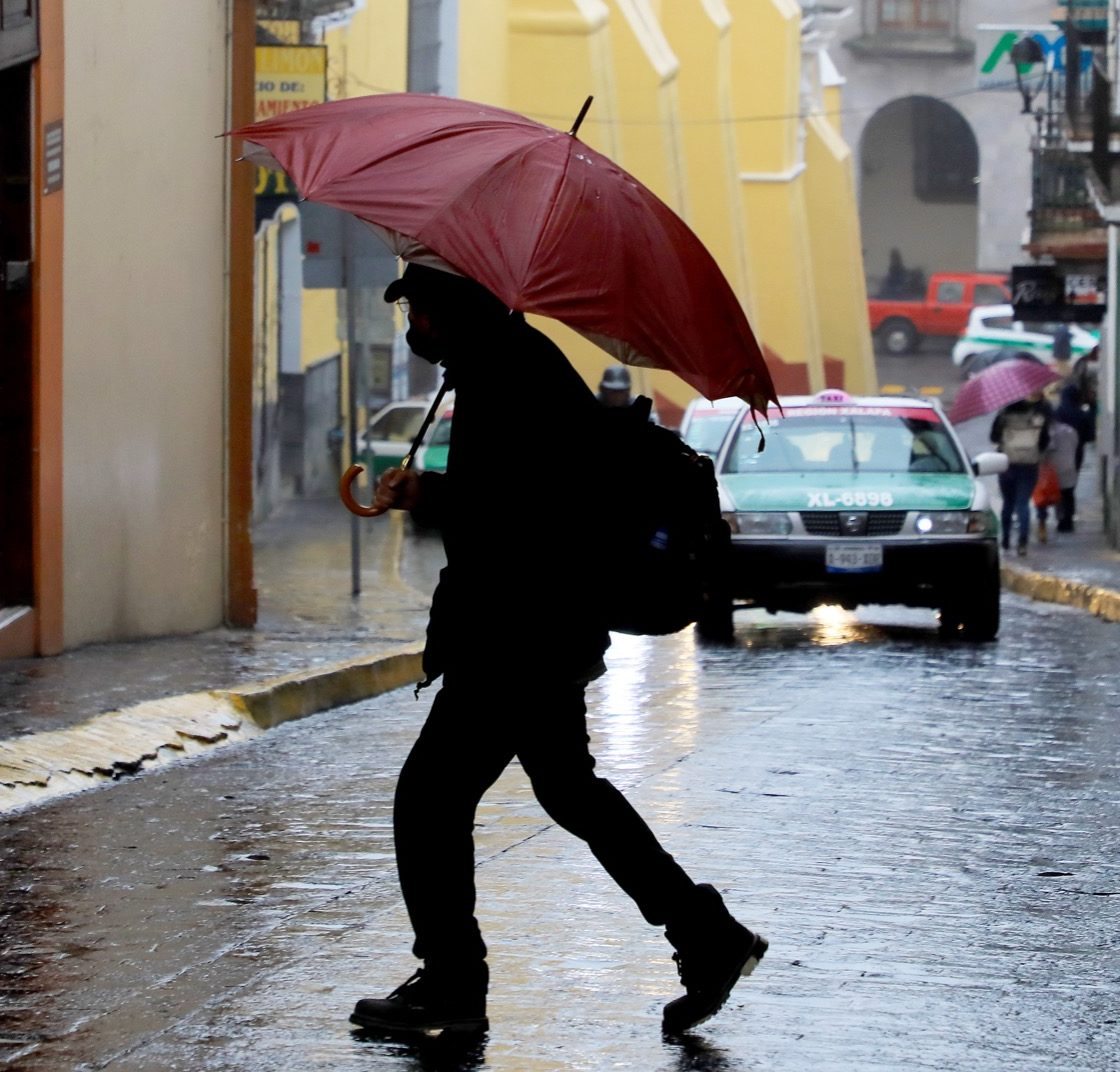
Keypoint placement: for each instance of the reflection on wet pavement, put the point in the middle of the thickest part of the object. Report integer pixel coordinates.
(927, 832)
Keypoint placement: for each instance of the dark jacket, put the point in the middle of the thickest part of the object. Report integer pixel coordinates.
(1080, 416)
(518, 593)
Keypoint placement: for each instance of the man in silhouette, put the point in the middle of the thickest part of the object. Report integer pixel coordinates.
(517, 632)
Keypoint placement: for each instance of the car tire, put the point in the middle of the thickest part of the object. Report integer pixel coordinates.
(976, 617)
(898, 336)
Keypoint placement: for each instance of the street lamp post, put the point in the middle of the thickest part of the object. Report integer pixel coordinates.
(1025, 53)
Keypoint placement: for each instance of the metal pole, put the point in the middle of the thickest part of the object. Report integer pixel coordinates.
(351, 399)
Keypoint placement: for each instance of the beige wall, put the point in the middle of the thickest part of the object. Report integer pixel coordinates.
(144, 318)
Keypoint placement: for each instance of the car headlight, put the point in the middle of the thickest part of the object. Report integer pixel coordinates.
(759, 523)
(952, 523)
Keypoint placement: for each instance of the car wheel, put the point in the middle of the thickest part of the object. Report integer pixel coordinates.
(898, 336)
(976, 616)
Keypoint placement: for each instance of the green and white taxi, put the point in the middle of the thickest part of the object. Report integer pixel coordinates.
(861, 500)
(995, 327)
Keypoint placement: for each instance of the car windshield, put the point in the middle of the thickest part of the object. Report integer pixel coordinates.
(850, 442)
(707, 429)
(1004, 322)
(397, 425)
(441, 434)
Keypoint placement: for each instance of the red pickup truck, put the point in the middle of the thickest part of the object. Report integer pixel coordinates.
(899, 324)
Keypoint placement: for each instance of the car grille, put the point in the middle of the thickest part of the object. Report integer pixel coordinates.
(827, 522)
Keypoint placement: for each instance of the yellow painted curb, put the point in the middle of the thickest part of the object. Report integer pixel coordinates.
(1048, 588)
(282, 699)
(41, 766)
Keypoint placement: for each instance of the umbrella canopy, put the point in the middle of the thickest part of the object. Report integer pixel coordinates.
(999, 386)
(547, 224)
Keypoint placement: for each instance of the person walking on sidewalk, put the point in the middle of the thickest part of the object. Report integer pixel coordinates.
(1077, 407)
(1022, 432)
(515, 632)
(1061, 458)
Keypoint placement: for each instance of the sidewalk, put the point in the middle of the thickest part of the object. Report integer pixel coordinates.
(1079, 568)
(105, 711)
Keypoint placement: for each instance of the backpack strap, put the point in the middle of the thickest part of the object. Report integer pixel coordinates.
(406, 463)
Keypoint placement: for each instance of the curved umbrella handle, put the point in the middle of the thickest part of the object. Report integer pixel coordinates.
(347, 496)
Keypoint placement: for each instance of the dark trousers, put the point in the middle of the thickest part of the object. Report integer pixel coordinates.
(471, 735)
(1016, 485)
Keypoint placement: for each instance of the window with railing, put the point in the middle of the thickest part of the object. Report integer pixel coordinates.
(916, 16)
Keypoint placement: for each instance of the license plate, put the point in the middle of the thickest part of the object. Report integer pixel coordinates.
(853, 558)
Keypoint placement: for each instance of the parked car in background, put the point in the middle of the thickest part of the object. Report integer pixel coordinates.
(705, 423)
(899, 325)
(994, 326)
(859, 500)
(432, 456)
(392, 429)
(389, 434)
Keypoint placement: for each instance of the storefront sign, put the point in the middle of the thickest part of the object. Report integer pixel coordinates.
(993, 54)
(289, 77)
(1041, 292)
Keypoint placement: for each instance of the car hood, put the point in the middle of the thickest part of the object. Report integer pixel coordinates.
(849, 491)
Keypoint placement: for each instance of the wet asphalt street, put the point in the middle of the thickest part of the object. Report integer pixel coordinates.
(929, 835)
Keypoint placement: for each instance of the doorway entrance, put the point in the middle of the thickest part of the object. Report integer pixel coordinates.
(16, 572)
(919, 168)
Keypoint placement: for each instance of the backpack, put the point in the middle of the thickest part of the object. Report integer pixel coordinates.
(669, 544)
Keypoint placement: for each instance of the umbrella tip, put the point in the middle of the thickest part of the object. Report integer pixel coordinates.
(579, 118)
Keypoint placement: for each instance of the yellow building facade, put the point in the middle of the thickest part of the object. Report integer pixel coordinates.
(705, 102)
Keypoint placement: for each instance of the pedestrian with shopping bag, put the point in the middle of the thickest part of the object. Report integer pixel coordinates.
(1057, 479)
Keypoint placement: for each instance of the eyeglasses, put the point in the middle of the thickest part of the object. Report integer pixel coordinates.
(402, 304)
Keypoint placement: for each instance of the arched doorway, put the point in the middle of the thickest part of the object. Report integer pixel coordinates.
(919, 168)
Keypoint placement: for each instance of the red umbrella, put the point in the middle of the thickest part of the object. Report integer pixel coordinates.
(534, 215)
(999, 386)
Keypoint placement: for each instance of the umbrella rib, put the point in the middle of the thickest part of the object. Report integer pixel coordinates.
(560, 180)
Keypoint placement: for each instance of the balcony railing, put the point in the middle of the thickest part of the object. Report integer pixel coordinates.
(301, 10)
(1087, 16)
(1064, 220)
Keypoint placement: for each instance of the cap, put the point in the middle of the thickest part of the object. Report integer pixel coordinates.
(615, 378)
(420, 279)
(416, 277)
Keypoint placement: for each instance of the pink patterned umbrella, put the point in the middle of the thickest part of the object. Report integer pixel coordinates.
(999, 386)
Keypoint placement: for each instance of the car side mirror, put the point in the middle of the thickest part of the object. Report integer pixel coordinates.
(990, 463)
